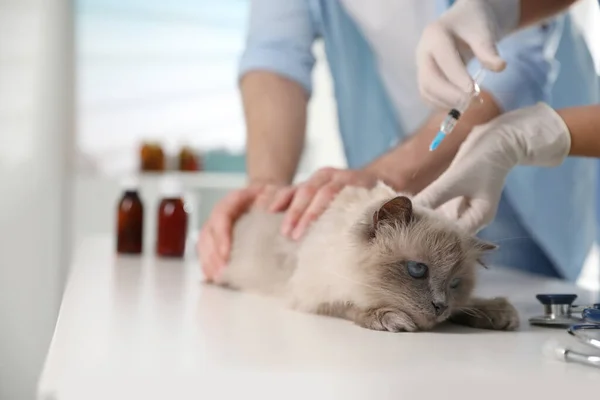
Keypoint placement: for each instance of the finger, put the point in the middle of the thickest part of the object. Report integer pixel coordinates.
(302, 199)
(282, 199)
(221, 229)
(437, 193)
(207, 253)
(228, 211)
(265, 197)
(485, 50)
(453, 209)
(448, 59)
(478, 214)
(319, 204)
(437, 89)
(237, 202)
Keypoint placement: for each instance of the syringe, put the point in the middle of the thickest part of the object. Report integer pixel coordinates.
(453, 116)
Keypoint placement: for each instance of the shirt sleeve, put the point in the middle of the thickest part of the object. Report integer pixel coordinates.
(279, 39)
(530, 70)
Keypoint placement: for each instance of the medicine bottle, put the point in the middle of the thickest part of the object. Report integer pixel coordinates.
(152, 157)
(172, 220)
(130, 220)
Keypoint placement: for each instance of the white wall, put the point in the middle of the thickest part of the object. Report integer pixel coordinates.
(35, 132)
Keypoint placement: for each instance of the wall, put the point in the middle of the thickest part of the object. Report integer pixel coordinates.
(35, 132)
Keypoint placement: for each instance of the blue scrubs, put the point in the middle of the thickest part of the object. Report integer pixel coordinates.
(546, 222)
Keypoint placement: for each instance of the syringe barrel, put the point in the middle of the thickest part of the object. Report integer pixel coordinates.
(450, 121)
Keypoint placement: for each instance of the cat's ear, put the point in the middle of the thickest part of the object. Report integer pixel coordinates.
(483, 247)
(399, 209)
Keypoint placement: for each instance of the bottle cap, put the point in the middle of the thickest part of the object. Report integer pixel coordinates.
(130, 183)
(171, 187)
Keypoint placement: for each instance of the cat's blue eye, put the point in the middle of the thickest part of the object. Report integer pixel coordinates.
(454, 283)
(416, 269)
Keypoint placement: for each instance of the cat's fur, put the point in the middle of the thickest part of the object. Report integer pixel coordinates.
(352, 264)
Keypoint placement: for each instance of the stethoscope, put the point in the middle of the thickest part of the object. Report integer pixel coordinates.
(581, 323)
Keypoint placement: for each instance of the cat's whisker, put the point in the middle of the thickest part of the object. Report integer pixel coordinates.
(478, 313)
(511, 238)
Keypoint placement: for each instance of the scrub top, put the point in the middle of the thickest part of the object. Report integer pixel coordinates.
(547, 219)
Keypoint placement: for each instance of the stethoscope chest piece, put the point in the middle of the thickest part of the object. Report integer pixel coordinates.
(558, 311)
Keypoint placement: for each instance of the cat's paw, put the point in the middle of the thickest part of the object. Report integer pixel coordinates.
(496, 314)
(385, 319)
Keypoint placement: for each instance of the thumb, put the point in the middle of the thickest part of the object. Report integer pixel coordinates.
(436, 194)
(486, 52)
(476, 216)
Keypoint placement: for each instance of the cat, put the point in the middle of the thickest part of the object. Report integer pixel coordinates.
(373, 258)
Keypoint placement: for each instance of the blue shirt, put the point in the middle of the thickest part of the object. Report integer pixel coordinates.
(557, 205)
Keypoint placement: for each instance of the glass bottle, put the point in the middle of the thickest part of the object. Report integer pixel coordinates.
(172, 221)
(130, 220)
(189, 160)
(152, 157)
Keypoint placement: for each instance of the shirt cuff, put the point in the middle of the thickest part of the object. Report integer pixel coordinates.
(293, 65)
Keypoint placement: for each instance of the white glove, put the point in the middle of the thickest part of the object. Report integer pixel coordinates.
(469, 27)
(470, 188)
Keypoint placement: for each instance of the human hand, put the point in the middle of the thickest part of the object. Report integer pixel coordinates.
(469, 28)
(306, 202)
(214, 242)
(469, 191)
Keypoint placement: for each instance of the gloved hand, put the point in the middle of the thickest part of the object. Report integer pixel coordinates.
(470, 188)
(470, 27)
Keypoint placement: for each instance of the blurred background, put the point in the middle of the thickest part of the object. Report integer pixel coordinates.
(83, 85)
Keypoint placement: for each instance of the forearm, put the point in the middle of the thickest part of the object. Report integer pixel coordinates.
(410, 166)
(584, 126)
(275, 113)
(532, 11)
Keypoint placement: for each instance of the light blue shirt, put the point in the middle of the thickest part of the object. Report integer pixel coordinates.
(557, 206)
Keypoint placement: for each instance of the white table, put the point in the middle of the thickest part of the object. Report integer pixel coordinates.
(146, 329)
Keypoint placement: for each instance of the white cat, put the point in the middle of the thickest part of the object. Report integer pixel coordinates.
(371, 258)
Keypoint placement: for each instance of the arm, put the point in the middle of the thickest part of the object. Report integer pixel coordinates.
(532, 11)
(410, 166)
(524, 82)
(471, 29)
(275, 71)
(275, 81)
(275, 111)
(583, 123)
(535, 135)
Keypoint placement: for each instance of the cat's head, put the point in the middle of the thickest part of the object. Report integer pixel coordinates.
(417, 262)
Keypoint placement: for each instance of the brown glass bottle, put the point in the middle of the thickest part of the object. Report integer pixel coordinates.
(172, 223)
(130, 223)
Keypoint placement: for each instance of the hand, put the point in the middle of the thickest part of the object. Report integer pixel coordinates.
(214, 243)
(470, 27)
(470, 189)
(307, 201)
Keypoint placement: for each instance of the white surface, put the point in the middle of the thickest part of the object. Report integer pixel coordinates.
(35, 150)
(146, 329)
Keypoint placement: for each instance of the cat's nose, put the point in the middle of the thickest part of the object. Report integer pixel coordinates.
(440, 307)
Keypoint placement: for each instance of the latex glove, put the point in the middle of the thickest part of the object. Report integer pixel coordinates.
(470, 188)
(214, 242)
(309, 200)
(469, 27)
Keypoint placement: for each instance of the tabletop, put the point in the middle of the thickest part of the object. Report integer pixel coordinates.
(145, 328)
